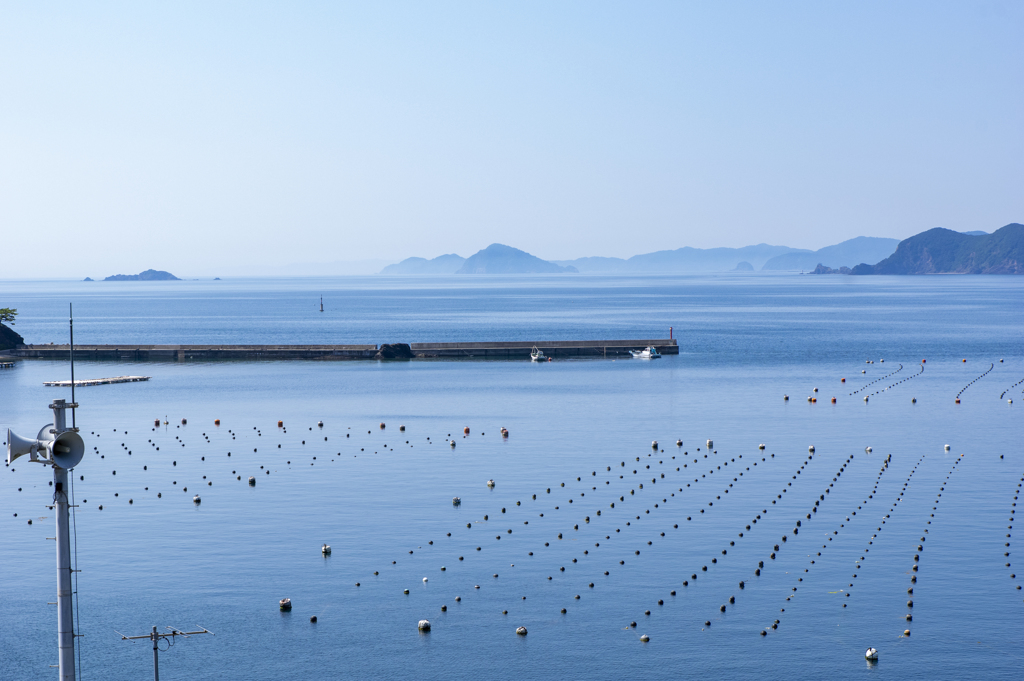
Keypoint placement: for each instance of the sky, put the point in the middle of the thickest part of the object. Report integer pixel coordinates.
(257, 138)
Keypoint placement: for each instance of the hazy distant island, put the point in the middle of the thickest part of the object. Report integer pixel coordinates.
(495, 259)
(822, 269)
(943, 251)
(442, 264)
(845, 254)
(148, 275)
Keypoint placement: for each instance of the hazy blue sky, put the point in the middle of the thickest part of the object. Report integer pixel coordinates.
(223, 138)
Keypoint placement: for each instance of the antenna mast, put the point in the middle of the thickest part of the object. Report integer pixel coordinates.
(61, 448)
(71, 326)
(155, 637)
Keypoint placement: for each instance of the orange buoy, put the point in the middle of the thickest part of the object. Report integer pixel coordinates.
(216, 422)
(963, 360)
(923, 361)
(842, 380)
(382, 426)
(833, 400)
(814, 399)
(280, 424)
(958, 400)
(465, 430)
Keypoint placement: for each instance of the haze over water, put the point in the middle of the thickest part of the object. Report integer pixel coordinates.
(745, 342)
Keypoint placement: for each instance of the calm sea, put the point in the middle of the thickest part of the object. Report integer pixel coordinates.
(580, 440)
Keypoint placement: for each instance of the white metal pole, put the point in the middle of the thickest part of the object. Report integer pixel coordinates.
(156, 661)
(65, 620)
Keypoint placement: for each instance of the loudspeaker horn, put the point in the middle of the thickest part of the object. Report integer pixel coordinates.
(20, 446)
(67, 450)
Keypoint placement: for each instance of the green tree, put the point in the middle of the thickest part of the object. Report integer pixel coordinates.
(7, 314)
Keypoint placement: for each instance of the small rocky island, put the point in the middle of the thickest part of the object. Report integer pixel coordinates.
(148, 275)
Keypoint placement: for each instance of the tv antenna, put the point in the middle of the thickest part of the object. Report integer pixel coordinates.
(170, 637)
(62, 448)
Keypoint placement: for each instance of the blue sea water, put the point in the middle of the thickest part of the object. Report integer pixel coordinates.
(379, 501)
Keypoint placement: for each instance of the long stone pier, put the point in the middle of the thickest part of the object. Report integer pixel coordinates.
(480, 350)
(517, 349)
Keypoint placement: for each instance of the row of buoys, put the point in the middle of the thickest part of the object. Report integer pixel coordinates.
(796, 530)
(732, 543)
(920, 547)
(594, 473)
(892, 508)
(985, 373)
(877, 380)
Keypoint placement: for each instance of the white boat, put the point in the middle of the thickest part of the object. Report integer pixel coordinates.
(650, 352)
(537, 355)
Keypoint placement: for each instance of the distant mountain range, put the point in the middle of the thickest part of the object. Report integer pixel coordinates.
(148, 275)
(943, 251)
(682, 260)
(845, 254)
(984, 253)
(500, 259)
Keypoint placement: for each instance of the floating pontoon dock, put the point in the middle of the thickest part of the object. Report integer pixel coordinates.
(96, 381)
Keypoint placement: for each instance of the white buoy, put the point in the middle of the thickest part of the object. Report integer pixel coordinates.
(452, 443)
(679, 443)
(490, 483)
(645, 638)
(871, 654)
(521, 631)
(865, 398)
(424, 580)
(867, 449)
(761, 446)
(196, 500)
(947, 448)
(654, 444)
(325, 549)
(811, 449)
(424, 625)
(711, 443)
(456, 501)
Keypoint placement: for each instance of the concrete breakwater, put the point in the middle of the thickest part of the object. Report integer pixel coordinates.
(517, 349)
(481, 350)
